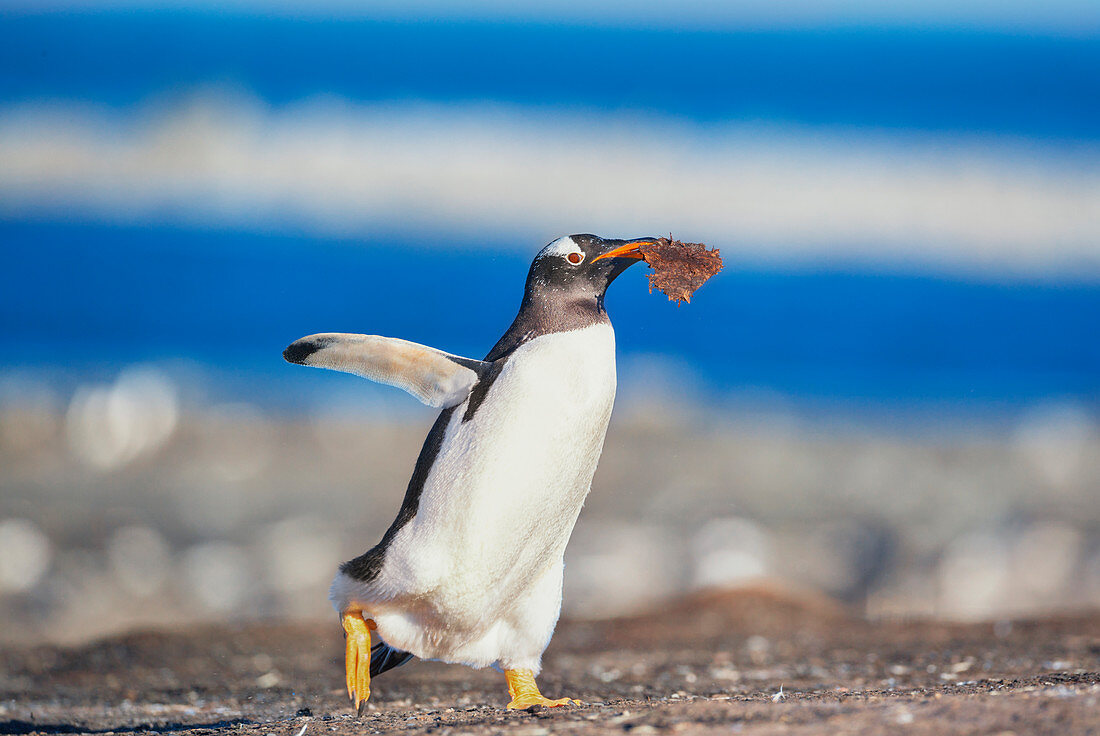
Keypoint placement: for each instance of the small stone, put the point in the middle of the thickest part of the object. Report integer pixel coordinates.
(271, 679)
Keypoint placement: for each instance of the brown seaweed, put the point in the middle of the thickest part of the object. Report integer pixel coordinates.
(679, 268)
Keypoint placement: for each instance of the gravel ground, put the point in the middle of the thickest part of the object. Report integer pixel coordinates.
(755, 662)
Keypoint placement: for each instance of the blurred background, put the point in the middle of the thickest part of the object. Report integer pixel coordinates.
(891, 395)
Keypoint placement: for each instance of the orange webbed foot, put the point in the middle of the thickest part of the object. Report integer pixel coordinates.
(525, 692)
(357, 657)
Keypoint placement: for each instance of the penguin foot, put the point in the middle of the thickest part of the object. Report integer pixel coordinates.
(357, 657)
(525, 693)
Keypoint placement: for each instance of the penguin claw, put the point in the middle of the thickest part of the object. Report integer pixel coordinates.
(524, 703)
(357, 658)
(525, 692)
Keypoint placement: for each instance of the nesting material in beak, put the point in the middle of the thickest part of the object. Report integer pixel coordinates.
(679, 268)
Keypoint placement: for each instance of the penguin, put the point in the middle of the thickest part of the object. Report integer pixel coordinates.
(471, 569)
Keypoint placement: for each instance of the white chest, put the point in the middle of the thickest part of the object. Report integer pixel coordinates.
(507, 485)
(555, 392)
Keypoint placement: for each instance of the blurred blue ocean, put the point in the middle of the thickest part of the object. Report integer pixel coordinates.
(85, 295)
(87, 286)
(958, 80)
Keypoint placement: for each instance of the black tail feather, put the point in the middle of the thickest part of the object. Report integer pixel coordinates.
(384, 657)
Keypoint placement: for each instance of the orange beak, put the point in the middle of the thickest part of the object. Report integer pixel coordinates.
(630, 250)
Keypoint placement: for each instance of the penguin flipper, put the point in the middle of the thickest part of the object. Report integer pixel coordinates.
(436, 378)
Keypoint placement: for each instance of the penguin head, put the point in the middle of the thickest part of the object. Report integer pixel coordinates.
(582, 266)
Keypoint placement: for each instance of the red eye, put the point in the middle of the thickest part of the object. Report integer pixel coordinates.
(575, 258)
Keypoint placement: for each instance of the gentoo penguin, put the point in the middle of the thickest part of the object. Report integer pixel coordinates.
(471, 569)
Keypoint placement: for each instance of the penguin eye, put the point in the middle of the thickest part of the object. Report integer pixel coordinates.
(575, 258)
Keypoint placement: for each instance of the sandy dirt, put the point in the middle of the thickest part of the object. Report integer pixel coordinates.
(711, 663)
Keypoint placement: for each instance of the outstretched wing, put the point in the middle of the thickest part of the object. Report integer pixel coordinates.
(436, 378)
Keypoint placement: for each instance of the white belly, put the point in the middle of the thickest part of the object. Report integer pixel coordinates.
(498, 506)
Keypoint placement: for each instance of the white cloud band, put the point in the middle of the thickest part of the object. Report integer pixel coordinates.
(766, 193)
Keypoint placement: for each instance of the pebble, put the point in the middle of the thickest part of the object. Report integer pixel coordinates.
(271, 679)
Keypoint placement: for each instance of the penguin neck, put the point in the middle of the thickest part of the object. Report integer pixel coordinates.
(544, 313)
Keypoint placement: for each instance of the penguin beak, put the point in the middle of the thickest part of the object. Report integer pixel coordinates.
(629, 250)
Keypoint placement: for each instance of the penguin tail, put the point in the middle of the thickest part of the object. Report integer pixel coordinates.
(383, 657)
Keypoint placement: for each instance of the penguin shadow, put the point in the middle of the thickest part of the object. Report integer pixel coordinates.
(17, 726)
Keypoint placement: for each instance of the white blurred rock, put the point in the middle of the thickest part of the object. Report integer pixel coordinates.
(974, 576)
(615, 568)
(730, 551)
(1056, 441)
(1044, 560)
(25, 554)
(108, 427)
